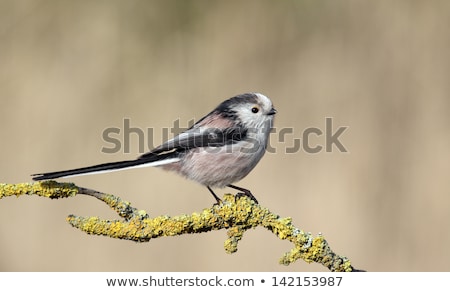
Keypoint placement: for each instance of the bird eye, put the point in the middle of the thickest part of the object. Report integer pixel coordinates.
(255, 109)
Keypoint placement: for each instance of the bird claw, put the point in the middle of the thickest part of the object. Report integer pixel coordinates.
(247, 194)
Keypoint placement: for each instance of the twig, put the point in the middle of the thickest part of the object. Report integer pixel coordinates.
(236, 214)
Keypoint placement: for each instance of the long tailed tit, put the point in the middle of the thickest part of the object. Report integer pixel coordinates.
(217, 151)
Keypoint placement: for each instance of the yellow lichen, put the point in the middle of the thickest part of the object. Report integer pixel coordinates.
(48, 189)
(346, 267)
(236, 214)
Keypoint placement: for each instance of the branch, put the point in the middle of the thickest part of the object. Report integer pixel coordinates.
(234, 213)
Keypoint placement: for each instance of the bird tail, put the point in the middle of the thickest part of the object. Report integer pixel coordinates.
(146, 161)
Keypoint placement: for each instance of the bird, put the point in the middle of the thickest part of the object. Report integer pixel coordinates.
(217, 151)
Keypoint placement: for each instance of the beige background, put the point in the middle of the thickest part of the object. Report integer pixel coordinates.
(71, 69)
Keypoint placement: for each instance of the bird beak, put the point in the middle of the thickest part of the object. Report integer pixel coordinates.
(272, 112)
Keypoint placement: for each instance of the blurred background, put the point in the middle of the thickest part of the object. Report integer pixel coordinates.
(71, 69)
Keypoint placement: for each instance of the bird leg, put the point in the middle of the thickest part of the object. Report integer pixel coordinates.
(219, 201)
(245, 192)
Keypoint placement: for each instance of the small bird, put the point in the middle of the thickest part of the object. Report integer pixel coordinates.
(217, 151)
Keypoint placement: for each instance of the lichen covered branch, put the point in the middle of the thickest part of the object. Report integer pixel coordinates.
(236, 214)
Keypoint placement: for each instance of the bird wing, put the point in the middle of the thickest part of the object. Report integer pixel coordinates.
(211, 137)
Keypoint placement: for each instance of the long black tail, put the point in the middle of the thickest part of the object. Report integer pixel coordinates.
(106, 167)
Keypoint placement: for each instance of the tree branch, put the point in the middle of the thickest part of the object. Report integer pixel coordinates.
(236, 214)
